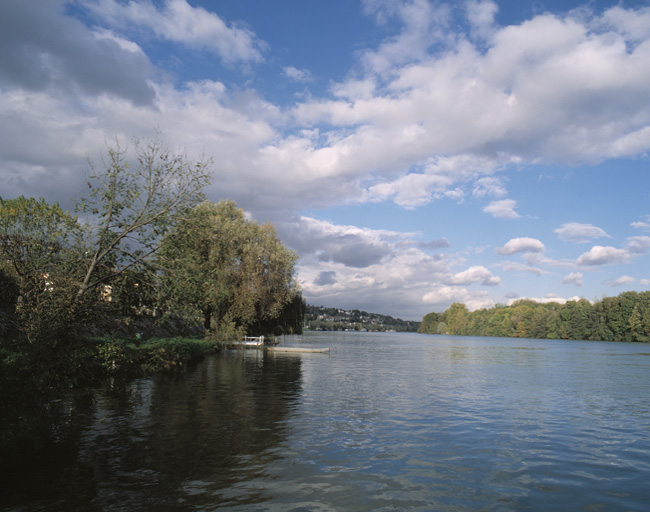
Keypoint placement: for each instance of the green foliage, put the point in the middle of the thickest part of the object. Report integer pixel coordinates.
(622, 318)
(226, 267)
(40, 245)
(133, 206)
(171, 354)
(135, 357)
(429, 323)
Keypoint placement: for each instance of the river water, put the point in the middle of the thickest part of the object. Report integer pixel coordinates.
(383, 422)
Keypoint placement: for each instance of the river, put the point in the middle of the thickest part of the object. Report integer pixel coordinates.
(383, 422)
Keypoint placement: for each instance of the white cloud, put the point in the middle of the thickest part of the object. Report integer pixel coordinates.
(480, 14)
(573, 278)
(441, 298)
(299, 75)
(441, 243)
(178, 21)
(490, 185)
(524, 244)
(638, 244)
(367, 269)
(635, 25)
(524, 99)
(475, 274)
(581, 233)
(504, 209)
(641, 225)
(423, 24)
(550, 298)
(513, 266)
(42, 51)
(621, 281)
(599, 255)
(430, 115)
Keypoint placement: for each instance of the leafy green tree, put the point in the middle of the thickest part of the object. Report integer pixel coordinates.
(574, 320)
(229, 269)
(132, 205)
(40, 245)
(41, 350)
(456, 318)
(639, 321)
(429, 324)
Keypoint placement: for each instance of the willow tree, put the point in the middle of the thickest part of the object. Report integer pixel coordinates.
(227, 268)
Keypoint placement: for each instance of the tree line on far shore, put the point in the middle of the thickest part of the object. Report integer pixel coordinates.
(336, 319)
(625, 317)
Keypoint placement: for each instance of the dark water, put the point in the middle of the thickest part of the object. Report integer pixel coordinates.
(384, 422)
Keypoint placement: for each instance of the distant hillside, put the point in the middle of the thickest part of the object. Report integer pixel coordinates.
(334, 319)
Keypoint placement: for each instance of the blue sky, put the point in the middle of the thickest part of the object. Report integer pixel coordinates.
(413, 153)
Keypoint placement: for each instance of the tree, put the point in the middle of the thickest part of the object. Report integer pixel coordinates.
(229, 269)
(40, 246)
(132, 206)
(429, 323)
(456, 318)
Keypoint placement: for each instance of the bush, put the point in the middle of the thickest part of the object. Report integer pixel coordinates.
(152, 356)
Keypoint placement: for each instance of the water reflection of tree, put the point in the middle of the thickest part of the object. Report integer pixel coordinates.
(160, 442)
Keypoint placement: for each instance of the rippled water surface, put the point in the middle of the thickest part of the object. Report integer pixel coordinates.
(382, 422)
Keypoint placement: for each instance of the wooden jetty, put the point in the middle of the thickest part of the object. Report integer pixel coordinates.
(253, 341)
(297, 349)
(269, 344)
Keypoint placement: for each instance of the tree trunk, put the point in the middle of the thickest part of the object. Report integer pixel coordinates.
(207, 318)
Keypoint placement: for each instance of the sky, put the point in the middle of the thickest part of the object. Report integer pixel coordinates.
(413, 153)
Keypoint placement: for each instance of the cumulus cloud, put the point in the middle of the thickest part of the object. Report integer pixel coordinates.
(599, 255)
(428, 115)
(474, 274)
(43, 50)
(550, 298)
(524, 244)
(441, 298)
(299, 75)
(504, 209)
(513, 266)
(325, 278)
(581, 233)
(178, 21)
(480, 14)
(406, 278)
(573, 278)
(348, 245)
(638, 244)
(643, 225)
(621, 281)
(442, 243)
(424, 24)
(490, 186)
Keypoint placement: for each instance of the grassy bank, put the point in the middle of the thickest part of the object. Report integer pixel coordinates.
(154, 355)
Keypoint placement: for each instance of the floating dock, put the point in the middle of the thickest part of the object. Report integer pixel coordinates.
(297, 349)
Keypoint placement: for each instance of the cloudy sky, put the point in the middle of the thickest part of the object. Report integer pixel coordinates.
(414, 153)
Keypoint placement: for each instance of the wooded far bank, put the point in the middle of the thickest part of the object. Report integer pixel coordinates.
(625, 317)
